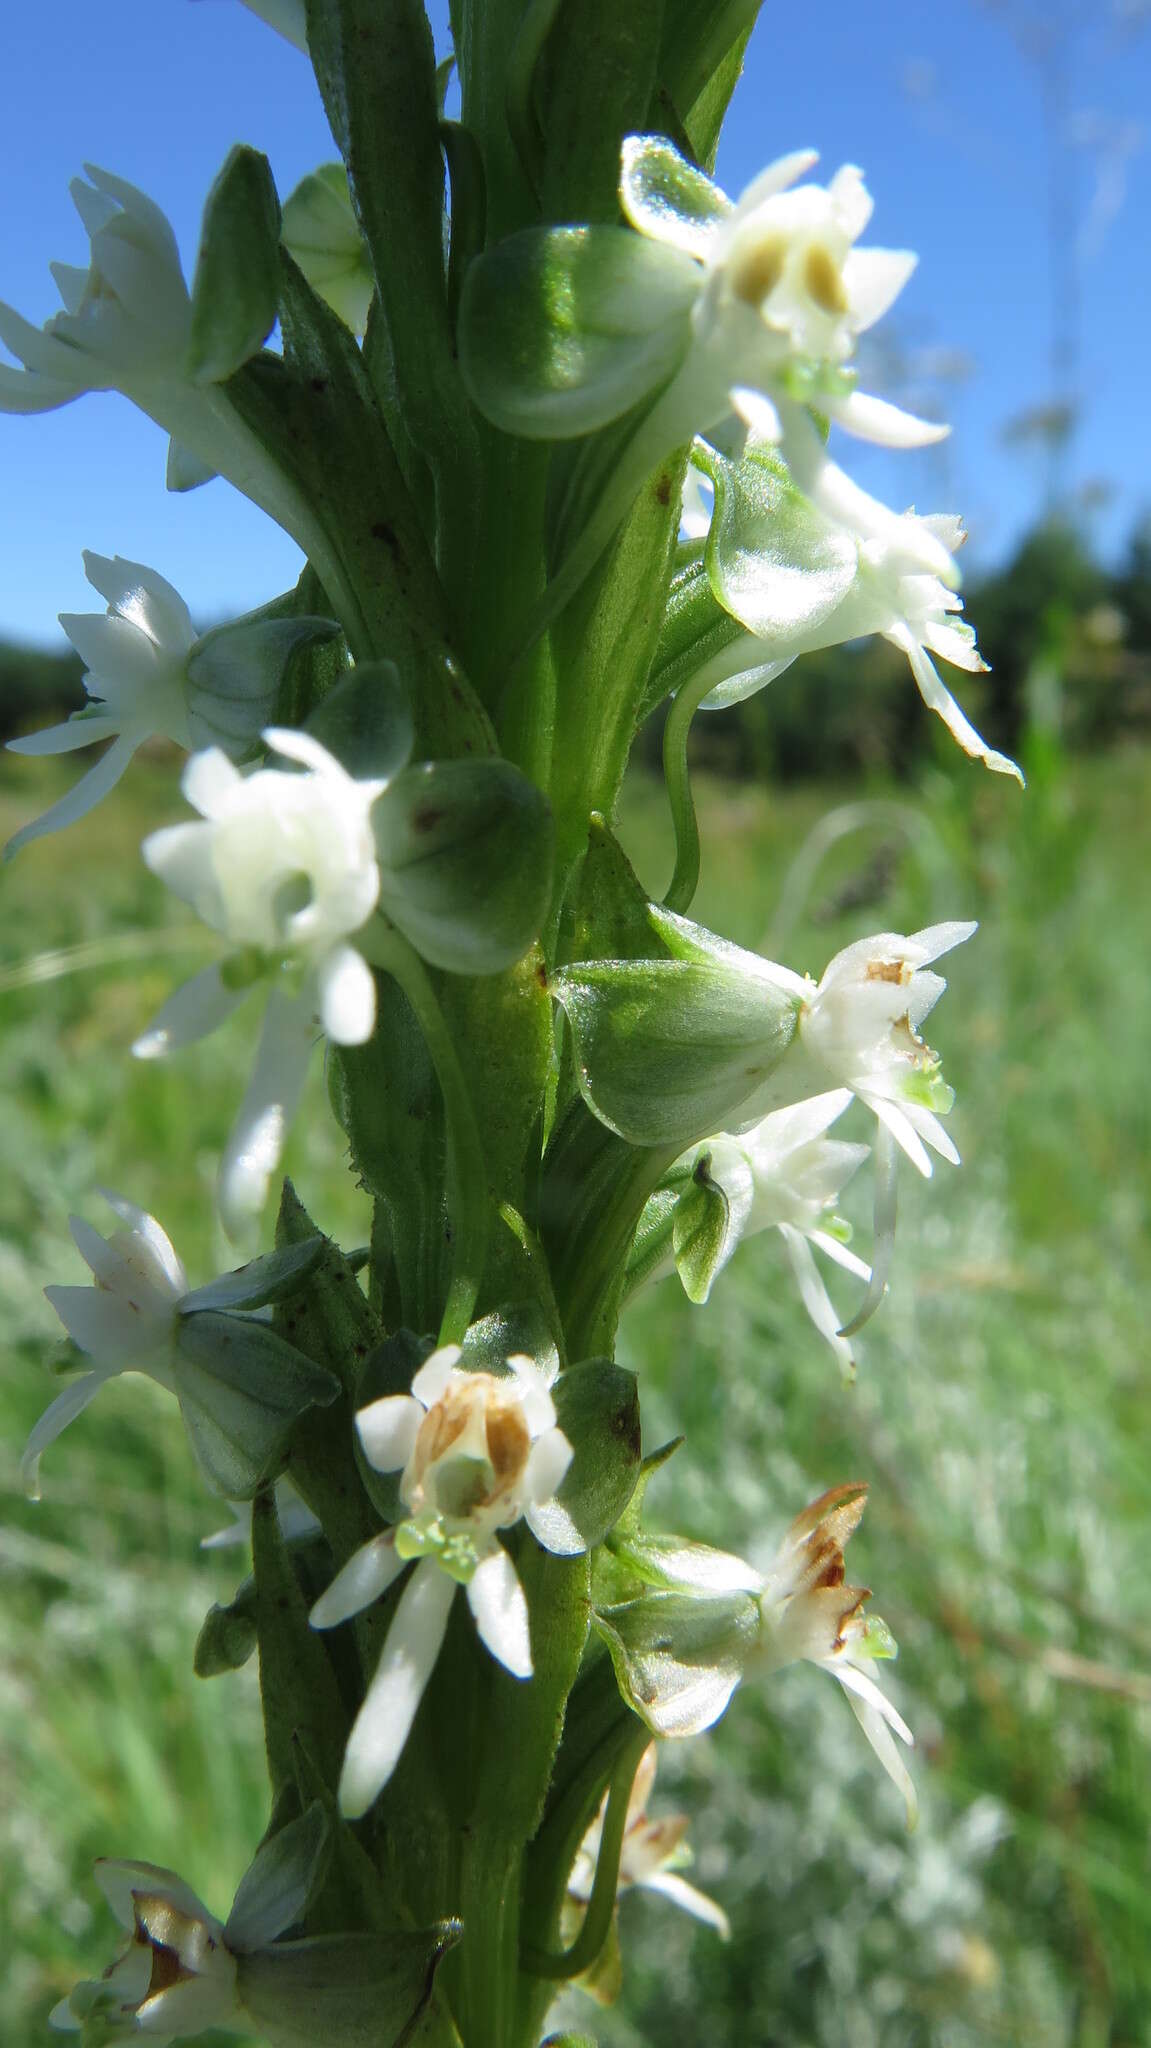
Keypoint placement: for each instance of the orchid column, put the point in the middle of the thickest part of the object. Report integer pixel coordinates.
(549, 416)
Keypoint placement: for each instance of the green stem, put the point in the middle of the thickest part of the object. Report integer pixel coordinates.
(685, 704)
(467, 1173)
(597, 1920)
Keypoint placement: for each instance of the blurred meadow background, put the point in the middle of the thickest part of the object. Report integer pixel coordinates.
(1002, 1411)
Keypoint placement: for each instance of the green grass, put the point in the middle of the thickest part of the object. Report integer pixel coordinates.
(1002, 1414)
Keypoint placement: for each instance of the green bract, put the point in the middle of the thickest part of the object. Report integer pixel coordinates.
(564, 329)
(235, 293)
(670, 1049)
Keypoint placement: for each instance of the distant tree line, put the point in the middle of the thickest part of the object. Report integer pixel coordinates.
(1068, 641)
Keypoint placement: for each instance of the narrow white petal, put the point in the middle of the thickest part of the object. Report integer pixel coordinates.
(929, 1128)
(434, 1375)
(756, 411)
(368, 1573)
(21, 391)
(63, 1410)
(875, 419)
(894, 1116)
(840, 1253)
(815, 1297)
(143, 597)
(865, 1687)
(304, 748)
(88, 792)
(385, 1719)
(120, 1880)
(934, 940)
(547, 1465)
(497, 1601)
(43, 353)
(62, 2019)
(67, 738)
(684, 1895)
(939, 699)
(874, 1726)
(534, 1391)
(196, 1009)
(388, 1429)
(347, 997)
(883, 1229)
(257, 1140)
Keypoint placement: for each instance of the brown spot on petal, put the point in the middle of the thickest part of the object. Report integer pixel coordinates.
(755, 274)
(895, 971)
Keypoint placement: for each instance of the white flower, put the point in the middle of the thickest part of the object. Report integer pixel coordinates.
(126, 1322)
(176, 1976)
(784, 1174)
(322, 233)
(288, 17)
(845, 566)
(477, 1453)
(652, 1856)
(136, 657)
(126, 319)
(860, 1030)
(285, 867)
(810, 1612)
(784, 292)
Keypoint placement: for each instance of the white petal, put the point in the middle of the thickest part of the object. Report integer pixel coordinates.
(257, 1140)
(864, 1687)
(347, 997)
(158, 1242)
(143, 597)
(63, 1410)
(815, 1297)
(684, 1895)
(22, 391)
(119, 1880)
(497, 1601)
(547, 1464)
(934, 940)
(776, 178)
(368, 1573)
(209, 781)
(196, 1009)
(62, 2019)
(88, 792)
(67, 738)
(388, 1429)
(756, 411)
(883, 1230)
(874, 1726)
(874, 419)
(534, 1391)
(894, 1116)
(938, 698)
(307, 750)
(103, 1324)
(434, 1375)
(385, 1719)
(873, 280)
(851, 199)
(44, 354)
(929, 1128)
(841, 1253)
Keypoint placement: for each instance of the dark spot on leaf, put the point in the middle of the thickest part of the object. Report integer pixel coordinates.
(663, 490)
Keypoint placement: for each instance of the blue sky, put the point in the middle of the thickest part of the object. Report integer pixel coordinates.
(937, 103)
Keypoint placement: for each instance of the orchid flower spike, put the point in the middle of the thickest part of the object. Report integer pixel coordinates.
(477, 1453)
(284, 866)
(783, 291)
(136, 656)
(784, 1174)
(176, 1975)
(810, 1612)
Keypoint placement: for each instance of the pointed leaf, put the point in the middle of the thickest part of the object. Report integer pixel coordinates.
(275, 1277)
(274, 1891)
(241, 1390)
(678, 1566)
(700, 1232)
(235, 291)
